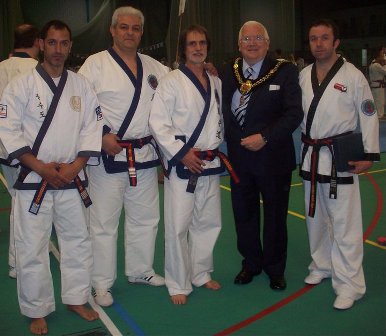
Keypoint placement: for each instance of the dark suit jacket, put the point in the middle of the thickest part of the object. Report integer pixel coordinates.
(273, 113)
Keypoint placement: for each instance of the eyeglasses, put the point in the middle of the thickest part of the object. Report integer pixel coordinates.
(250, 39)
(195, 43)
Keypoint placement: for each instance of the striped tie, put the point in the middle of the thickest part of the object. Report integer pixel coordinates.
(240, 111)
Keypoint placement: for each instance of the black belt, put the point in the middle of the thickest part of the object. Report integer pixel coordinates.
(381, 84)
(316, 145)
(42, 189)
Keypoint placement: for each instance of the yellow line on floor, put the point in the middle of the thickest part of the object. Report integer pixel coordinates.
(295, 214)
(375, 244)
(375, 171)
(2, 179)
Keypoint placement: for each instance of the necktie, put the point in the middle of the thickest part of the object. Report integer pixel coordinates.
(240, 111)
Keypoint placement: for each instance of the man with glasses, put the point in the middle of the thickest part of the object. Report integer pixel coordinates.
(261, 108)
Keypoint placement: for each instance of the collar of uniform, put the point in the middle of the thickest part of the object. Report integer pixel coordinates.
(21, 54)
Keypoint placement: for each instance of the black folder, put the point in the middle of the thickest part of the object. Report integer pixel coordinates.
(348, 147)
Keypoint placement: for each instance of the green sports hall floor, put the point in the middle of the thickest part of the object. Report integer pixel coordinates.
(253, 309)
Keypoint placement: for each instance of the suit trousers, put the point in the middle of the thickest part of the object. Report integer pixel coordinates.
(266, 251)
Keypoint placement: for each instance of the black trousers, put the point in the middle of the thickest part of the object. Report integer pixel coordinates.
(266, 251)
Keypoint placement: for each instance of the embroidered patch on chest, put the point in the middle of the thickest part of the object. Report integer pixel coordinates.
(3, 111)
(368, 107)
(75, 103)
(153, 82)
(340, 87)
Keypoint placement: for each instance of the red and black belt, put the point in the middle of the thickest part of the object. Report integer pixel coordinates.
(210, 155)
(129, 146)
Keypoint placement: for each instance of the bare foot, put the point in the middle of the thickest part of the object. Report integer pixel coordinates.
(179, 299)
(38, 326)
(82, 311)
(213, 285)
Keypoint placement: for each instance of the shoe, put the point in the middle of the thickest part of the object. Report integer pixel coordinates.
(342, 302)
(245, 276)
(152, 280)
(314, 278)
(12, 272)
(103, 297)
(277, 283)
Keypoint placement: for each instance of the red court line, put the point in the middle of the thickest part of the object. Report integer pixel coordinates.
(378, 211)
(307, 288)
(5, 209)
(266, 311)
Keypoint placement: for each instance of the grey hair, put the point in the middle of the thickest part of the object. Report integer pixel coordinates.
(266, 36)
(127, 10)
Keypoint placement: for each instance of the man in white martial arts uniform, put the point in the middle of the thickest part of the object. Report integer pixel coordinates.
(377, 74)
(186, 122)
(336, 96)
(125, 82)
(23, 59)
(51, 123)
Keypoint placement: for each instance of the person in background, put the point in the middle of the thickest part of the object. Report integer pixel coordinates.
(377, 73)
(336, 96)
(23, 58)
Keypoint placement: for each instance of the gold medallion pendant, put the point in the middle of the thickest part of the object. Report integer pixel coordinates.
(246, 87)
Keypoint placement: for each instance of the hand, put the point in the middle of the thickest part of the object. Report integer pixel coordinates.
(211, 69)
(110, 144)
(253, 142)
(192, 162)
(50, 173)
(70, 170)
(360, 166)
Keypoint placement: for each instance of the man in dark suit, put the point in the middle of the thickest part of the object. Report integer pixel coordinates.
(262, 107)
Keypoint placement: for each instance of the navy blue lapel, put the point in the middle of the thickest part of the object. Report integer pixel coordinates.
(137, 82)
(206, 95)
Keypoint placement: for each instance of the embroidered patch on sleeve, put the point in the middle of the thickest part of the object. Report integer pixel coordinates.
(368, 107)
(3, 111)
(98, 113)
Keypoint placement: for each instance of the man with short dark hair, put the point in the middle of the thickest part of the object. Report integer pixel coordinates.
(22, 59)
(51, 124)
(336, 96)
